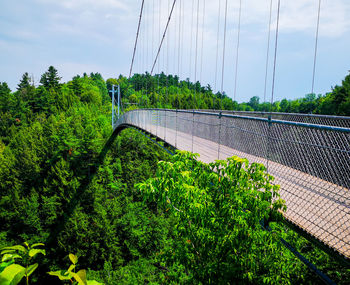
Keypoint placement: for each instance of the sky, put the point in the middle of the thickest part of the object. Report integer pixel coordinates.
(77, 36)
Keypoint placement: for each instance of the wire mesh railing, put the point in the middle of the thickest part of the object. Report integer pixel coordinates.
(309, 156)
(327, 120)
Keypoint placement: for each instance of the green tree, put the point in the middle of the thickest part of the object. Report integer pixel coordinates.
(25, 82)
(5, 97)
(50, 78)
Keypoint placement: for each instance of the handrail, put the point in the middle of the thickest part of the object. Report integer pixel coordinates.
(268, 120)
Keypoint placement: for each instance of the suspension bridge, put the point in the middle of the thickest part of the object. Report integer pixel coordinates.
(309, 155)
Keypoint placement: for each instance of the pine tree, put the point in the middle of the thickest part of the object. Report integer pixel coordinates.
(25, 82)
(50, 78)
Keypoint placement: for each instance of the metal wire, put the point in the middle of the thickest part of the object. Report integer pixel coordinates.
(237, 50)
(275, 56)
(137, 36)
(316, 44)
(267, 52)
(217, 51)
(161, 43)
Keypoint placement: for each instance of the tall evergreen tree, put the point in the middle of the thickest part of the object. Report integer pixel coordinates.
(50, 78)
(25, 82)
(5, 97)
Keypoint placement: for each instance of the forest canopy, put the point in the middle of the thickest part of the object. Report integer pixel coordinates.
(168, 91)
(129, 211)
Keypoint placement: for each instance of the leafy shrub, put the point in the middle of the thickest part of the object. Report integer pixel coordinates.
(11, 272)
(219, 208)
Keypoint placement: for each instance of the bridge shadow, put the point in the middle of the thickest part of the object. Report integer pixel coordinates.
(80, 193)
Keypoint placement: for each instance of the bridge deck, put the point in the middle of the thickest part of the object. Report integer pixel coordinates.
(312, 203)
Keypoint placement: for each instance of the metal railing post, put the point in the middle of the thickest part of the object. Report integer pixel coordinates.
(192, 128)
(219, 142)
(268, 142)
(176, 114)
(113, 106)
(118, 101)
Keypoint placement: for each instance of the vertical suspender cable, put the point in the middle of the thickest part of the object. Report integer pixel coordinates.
(267, 51)
(167, 74)
(178, 71)
(238, 38)
(175, 49)
(316, 44)
(152, 50)
(273, 85)
(190, 62)
(203, 26)
(147, 51)
(161, 43)
(217, 52)
(183, 22)
(179, 40)
(223, 56)
(147, 35)
(137, 35)
(142, 59)
(195, 71)
(159, 18)
(275, 55)
(196, 47)
(222, 78)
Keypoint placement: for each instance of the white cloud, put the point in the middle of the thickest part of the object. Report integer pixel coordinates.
(98, 35)
(301, 16)
(88, 4)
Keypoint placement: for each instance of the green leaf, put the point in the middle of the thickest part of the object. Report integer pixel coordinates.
(61, 274)
(3, 265)
(73, 258)
(80, 277)
(34, 252)
(37, 244)
(9, 256)
(31, 268)
(7, 251)
(12, 275)
(70, 269)
(15, 247)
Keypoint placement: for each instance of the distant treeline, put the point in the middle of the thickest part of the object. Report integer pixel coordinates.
(168, 91)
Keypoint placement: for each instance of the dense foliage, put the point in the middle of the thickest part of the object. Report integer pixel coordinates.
(67, 183)
(221, 213)
(167, 91)
(62, 184)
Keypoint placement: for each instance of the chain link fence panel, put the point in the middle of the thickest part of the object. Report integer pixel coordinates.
(309, 156)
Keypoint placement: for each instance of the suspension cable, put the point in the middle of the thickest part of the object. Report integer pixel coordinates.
(182, 34)
(268, 51)
(167, 61)
(217, 52)
(147, 37)
(179, 40)
(191, 40)
(202, 48)
(175, 37)
(223, 57)
(238, 38)
(137, 35)
(161, 43)
(275, 56)
(195, 73)
(316, 44)
(152, 49)
(196, 48)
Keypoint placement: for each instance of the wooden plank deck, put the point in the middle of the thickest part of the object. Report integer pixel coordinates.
(317, 206)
